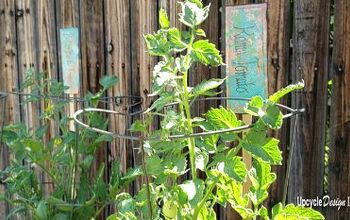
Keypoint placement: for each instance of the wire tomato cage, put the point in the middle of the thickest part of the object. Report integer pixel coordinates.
(290, 112)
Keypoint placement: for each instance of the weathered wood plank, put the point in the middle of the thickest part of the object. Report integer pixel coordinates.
(92, 44)
(93, 58)
(67, 15)
(46, 52)
(143, 20)
(339, 164)
(117, 38)
(278, 13)
(26, 44)
(310, 62)
(8, 80)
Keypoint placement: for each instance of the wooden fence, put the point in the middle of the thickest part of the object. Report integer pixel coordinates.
(301, 45)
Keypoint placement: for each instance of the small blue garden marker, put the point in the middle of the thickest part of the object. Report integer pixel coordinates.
(70, 58)
(246, 56)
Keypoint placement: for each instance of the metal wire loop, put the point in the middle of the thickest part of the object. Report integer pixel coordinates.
(291, 112)
(120, 101)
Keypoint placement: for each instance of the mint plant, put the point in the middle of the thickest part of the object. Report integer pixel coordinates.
(66, 158)
(173, 189)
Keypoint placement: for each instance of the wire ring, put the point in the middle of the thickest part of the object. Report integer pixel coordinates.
(135, 100)
(291, 113)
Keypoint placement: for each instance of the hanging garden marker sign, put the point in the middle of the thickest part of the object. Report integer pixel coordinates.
(70, 59)
(69, 39)
(246, 56)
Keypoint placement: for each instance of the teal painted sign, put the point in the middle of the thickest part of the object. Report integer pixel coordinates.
(246, 56)
(70, 59)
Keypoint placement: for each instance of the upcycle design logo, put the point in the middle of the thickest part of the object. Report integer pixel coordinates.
(325, 201)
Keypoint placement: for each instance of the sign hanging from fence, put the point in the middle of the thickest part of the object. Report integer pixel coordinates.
(70, 58)
(246, 56)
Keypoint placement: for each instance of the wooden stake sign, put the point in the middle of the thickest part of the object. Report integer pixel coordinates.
(246, 59)
(246, 56)
(70, 59)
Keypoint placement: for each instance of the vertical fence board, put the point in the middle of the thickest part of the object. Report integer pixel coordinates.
(46, 52)
(117, 40)
(143, 20)
(93, 58)
(278, 69)
(25, 24)
(9, 79)
(339, 165)
(200, 72)
(310, 59)
(67, 15)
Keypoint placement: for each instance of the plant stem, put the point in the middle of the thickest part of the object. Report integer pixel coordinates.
(191, 144)
(205, 198)
(186, 105)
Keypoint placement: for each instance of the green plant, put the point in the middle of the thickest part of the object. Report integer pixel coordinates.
(66, 158)
(173, 189)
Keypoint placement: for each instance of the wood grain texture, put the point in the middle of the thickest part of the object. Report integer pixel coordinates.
(117, 43)
(339, 161)
(144, 20)
(8, 81)
(310, 62)
(46, 52)
(278, 13)
(200, 72)
(27, 59)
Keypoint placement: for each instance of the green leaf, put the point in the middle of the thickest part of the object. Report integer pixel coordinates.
(104, 138)
(201, 160)
(234, 168)
(221, 118)
(163, 19)
(126, 205)
(206, 213)
(291, 212)
(138, 126)
(108, 81)
(261, 178)
(157, 44)
(169, 209)
(132, 173)
(279, 94)
(33, 145)
(273, 117)
(264, 213)
(162, 77)
(208, 143)
(159, 104)
(8, 136)
(154, 165)
(192, 14)
(254, 106)
(205, 52)
(198, 2)
(276, 209)
(41, 210)
(194, 190)
(200, 32)
(267, 150)
(207, 85)
(174, 36)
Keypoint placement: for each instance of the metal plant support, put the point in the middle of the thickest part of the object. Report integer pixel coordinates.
(290, 113)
